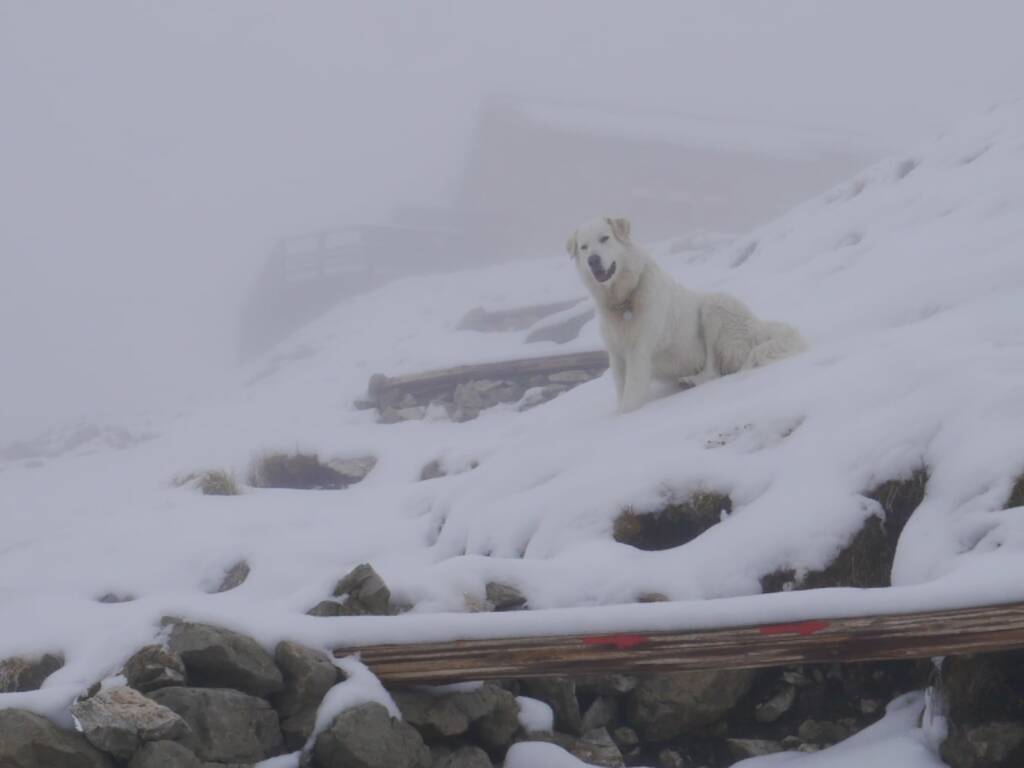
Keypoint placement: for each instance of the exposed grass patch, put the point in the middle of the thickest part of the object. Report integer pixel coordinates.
(297, 470)
(211, 482)
(672, 525)
(866, 560)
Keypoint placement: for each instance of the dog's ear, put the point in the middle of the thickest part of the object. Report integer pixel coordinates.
(620, 228)
(570, 244)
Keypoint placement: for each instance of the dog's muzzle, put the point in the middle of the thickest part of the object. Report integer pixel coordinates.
(597, 269)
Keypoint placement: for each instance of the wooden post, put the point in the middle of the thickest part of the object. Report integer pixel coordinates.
(876, 638)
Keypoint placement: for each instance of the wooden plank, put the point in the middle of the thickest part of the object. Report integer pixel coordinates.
(433, 382)
(875, 638)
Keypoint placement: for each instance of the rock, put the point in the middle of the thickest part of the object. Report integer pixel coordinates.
(674, 524)
(308, 675)
(113, 598)
(652, 597)
(326, 608)
(597, 748)
(992, 745)
(154, 667)
(474, 396)
(822, 732)
(625, 737)
(505, 597)
(778, 705)
(602, 712)
(297, 471)
(605, 685)
(669, 758)
(225, 725)
(560, 693)
(570, 377)
(366, 593)
(119, 720)
(466, 757)
(497, 729)
(216, 657)
(30, 741)
(353, 470)
(19, 674)
(233, 577)
(432, 471)
(535, 396)
(367, 736)
(664, 706)
(741, 749)
(164, 754)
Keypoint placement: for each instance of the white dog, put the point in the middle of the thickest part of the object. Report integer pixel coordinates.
(655, 328)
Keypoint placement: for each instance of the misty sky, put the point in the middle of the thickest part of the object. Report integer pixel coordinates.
(150, 152)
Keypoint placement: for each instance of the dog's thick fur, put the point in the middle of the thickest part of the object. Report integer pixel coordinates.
(655, 328)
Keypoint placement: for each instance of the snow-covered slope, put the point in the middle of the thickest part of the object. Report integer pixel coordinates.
(909, 282)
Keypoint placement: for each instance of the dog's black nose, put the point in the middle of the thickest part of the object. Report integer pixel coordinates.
(594, 261)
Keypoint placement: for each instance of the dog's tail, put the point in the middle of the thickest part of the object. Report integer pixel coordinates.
(775, 341)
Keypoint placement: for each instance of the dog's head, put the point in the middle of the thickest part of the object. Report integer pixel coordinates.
(600, 249)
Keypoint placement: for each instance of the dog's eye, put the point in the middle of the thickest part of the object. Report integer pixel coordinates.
(604, 239)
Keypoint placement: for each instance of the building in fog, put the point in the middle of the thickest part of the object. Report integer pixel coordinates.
(533, 171)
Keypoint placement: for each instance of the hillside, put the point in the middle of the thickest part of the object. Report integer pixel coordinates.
(908, 281)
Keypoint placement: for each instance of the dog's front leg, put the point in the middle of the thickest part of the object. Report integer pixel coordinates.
(618, 366)
(637, 383)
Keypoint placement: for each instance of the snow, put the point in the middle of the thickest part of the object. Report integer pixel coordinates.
(908, 281)
(535, 716)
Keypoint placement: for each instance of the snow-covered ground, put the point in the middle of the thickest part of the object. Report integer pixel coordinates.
(908, 280)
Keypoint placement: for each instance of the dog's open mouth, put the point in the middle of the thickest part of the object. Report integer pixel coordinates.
(601, 274)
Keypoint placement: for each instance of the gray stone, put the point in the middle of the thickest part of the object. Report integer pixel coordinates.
(368, 737)
(992, 745)
(741, 749)
(669, 758)
(664, 706)
(216, 657)
(597, 748)
(119, 720)
(466, 757)
(541, 394)
(154, 667)
(605, 685)
(474, 396)
(490, 711)
(822, 732)
(164, 754)
(19, 674)
(504, 597)
(308, 675)
(367, 594)
(497, 729)
(30, 741)
(560, 694)
(326, 609)
(225, 725)
(432, 471)
(602, 713)
(570, 377)
(625, 737)
(234, 577)
(771, 710)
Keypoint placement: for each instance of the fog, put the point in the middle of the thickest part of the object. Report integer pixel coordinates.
(152, 153)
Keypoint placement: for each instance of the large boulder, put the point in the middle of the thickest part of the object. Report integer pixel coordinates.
(119, 720)
(219, 658)
(224, 725)
(488, 715)
(308, 675)
(164, 754)
(368, 737)
(19, 673)
(154, 667)
(667, 705)
(30, 741)
(985, 710)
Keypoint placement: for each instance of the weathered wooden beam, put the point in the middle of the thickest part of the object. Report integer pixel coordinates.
(430, 383)
(875, 638)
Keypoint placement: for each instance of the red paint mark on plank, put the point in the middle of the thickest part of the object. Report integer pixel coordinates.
(619, 642)
(802, 628)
